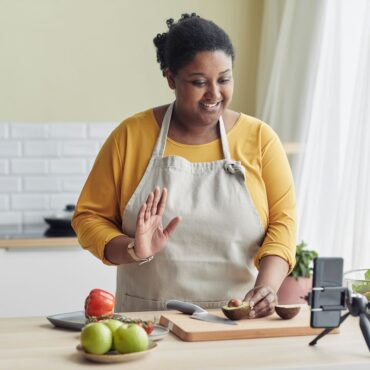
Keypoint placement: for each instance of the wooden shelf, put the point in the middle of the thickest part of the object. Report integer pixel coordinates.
(39, 243)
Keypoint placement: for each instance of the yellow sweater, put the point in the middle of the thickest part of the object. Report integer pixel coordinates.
(125, 155)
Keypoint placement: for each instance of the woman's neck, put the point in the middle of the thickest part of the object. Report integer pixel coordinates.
(192, 134)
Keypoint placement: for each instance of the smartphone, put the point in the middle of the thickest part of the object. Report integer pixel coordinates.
(328, 296)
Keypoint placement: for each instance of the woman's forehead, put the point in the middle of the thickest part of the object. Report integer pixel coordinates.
(203, 61)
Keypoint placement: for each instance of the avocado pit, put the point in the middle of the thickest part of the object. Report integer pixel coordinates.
(287, 312)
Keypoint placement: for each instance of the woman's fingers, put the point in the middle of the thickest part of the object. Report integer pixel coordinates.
(155, 204)
(259, 294)
(171, 226)
(264, 307)
(262, 301)
(266, 311)
(156, 199)
(162, 203)
(140, 216)
(149, 204)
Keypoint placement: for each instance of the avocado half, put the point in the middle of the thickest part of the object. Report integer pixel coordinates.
(237, 313)
(287, 312)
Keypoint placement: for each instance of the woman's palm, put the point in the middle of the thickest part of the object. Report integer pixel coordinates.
(150, 236)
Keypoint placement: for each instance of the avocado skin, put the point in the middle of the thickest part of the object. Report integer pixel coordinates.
(236, 313)
(287, 313)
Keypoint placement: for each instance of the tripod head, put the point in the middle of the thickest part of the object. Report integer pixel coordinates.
(328, 298)
(357, 306)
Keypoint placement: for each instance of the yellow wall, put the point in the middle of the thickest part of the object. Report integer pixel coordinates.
(94, 60)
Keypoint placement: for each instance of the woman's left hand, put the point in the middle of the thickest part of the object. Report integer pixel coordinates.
(262, 300)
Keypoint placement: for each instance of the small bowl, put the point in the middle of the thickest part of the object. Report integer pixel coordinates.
(114, 357)
(356, 281)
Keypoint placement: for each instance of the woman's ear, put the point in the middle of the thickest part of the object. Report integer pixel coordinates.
(170, 79)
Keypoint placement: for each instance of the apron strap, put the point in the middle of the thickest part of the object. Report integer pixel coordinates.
(162, 138)
(224, 141)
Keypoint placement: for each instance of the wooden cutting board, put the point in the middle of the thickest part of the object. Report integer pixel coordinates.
(192, 330)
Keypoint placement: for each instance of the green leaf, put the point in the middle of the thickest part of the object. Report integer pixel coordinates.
(361, 287)
(304, 260)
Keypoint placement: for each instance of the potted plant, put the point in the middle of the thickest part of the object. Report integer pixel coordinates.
(299, 282)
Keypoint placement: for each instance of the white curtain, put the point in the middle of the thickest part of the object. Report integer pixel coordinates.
(290, 31)
(314, 87)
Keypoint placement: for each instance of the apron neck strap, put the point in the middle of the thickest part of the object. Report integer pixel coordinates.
(224, 142)
(162, 138)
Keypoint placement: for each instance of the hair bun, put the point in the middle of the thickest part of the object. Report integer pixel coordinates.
(187, 16)
(185, 38)
(170, 22)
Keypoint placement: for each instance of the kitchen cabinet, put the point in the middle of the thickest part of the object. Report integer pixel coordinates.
(33, 343)
(47, 275)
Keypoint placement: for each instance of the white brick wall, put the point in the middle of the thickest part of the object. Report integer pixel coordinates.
(10, 148)
(43, 166)
(4, 202)
(4, 166)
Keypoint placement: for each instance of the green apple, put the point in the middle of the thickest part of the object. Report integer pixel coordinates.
(130, 338)
(96, 338)
(112, 324)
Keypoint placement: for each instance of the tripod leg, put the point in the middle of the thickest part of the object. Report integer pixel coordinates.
(328, 330)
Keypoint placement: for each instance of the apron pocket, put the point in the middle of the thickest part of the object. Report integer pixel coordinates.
(131, 303)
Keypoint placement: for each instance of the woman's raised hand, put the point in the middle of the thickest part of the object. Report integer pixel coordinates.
(150, 236)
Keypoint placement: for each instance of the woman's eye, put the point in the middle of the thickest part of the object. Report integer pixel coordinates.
(198, 83)
(224, 80)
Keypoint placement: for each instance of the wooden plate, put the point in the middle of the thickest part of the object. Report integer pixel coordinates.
(112, 356)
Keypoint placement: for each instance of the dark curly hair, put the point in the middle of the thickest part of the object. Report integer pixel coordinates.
(185, 38)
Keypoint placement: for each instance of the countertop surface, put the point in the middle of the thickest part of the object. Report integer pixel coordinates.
(36, 236)
(33, 343)
(33, 231)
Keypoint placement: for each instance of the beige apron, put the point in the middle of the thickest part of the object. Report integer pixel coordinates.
(209, 257)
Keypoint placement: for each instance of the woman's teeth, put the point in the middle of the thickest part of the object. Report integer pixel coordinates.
(209, 106)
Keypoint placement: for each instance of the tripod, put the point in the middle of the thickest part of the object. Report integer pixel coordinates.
(357, 305)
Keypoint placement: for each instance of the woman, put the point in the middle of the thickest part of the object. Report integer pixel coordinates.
(187, 199)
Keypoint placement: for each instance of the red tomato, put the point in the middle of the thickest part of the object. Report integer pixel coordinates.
(99, 303)
(148, 326)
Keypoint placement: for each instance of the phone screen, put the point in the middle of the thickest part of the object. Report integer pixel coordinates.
(328, 273)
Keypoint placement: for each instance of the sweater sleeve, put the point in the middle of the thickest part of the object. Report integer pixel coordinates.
(280, 239)
(97, 218)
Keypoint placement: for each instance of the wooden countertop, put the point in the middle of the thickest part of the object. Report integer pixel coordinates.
(23, 236)
(39, 242)
(33, 343)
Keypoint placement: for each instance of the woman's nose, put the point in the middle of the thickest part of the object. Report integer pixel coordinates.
(213, 91)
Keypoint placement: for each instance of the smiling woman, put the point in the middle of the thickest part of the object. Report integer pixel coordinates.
(68, 76)
(189, 198)
(203, 89)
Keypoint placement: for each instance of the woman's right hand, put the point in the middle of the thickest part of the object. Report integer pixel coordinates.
(150, 236)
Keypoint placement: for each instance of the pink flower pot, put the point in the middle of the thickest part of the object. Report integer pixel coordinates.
(292, 291)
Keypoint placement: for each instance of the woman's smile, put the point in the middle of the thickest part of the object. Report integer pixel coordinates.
(210, 107)
(203, 89)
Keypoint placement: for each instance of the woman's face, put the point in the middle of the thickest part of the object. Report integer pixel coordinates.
(203, 88)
